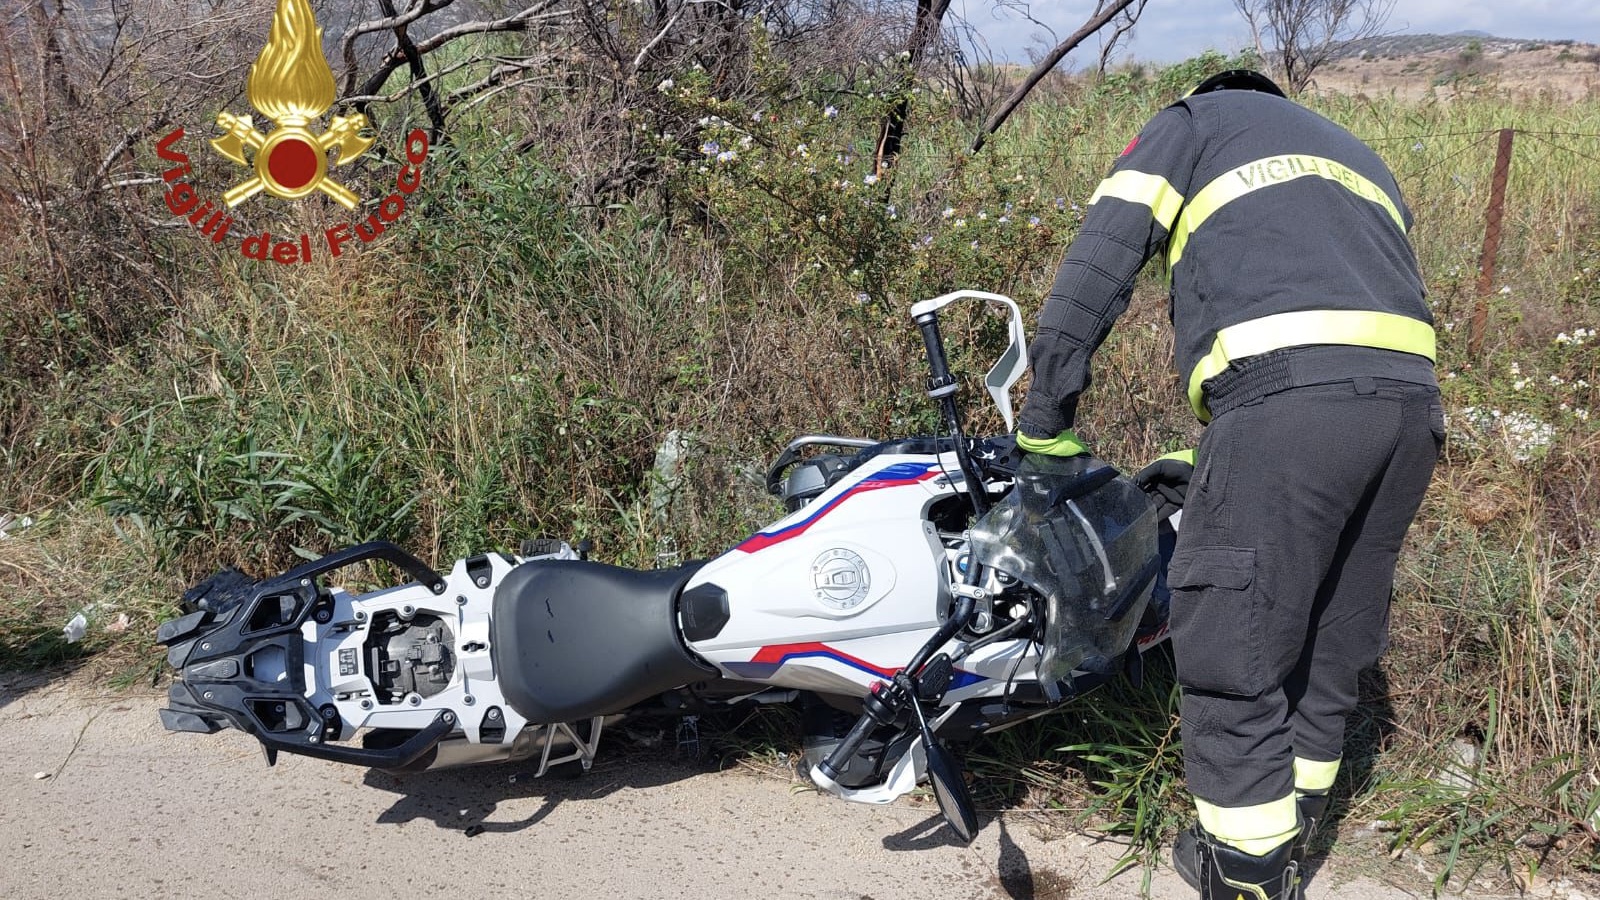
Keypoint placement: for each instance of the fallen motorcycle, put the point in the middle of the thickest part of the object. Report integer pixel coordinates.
(937, 588)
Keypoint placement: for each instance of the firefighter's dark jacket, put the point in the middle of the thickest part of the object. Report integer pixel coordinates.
(1264, 208)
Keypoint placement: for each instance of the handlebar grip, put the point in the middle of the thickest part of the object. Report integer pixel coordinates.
(840, 757)
(940, 382)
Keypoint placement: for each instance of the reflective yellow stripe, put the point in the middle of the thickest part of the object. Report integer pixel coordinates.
(1352, 327)
(1253, 176)
(1254, 829)
(1185, 456)
(1139, 187)
(1314, 776)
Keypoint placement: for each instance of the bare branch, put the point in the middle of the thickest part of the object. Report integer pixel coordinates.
(1307, 33)
(415, 10)
(475, 101)
(1125, 23)
(1043, 68)
(892, 132)
(519, 21)
(411, 86)
(644, 52)
(430, 99)
(128, 139)
(515, 22)
(498, 75)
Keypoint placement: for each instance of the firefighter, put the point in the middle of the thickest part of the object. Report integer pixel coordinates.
(1304, 341)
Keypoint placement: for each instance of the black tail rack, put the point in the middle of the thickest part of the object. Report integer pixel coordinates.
(240, 663)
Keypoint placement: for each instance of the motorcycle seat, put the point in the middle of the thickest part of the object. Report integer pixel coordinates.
(573, 639)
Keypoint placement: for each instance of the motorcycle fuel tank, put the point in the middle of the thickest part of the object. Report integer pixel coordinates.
(841, 592)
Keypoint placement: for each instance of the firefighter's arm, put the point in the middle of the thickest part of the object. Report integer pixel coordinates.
(1128, 220)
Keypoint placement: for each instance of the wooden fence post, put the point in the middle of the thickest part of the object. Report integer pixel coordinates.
(1491, 244)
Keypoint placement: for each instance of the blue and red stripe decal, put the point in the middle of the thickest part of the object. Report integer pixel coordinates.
(768, 660)
(897, 475)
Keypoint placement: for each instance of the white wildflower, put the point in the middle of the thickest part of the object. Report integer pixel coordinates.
(1523, 436)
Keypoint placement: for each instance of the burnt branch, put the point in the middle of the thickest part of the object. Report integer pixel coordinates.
(419, 75)
(410, 53)
(347, 45)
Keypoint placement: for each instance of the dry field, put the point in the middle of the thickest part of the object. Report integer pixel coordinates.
(1422, 66)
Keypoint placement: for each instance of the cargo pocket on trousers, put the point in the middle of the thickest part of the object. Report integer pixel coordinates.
(1216, 632)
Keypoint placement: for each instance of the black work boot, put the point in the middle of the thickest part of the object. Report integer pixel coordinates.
(1221, 872)
(1313, 807)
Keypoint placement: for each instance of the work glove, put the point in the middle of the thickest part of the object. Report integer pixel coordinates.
(1064, 444)
(1167, 481)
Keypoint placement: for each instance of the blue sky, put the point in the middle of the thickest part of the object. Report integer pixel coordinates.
(1171, 30)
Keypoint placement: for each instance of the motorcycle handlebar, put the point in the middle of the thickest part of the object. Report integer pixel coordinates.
(845, 749)
(884, 704)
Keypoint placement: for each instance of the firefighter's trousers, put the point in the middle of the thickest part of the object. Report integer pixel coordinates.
(1281, 583)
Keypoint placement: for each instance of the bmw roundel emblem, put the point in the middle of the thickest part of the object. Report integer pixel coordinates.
(840, 578)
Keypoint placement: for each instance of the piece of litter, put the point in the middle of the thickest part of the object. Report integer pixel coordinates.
(76, 629)
(120, 625)
(40, 776)
(10, 523)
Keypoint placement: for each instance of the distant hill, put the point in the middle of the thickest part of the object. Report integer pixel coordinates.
(1416, 65)
(1396, 45)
